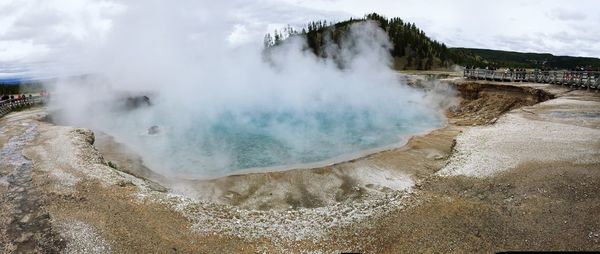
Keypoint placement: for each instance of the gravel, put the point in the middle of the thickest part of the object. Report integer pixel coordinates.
(486, 150)
(82, 238)
(292, 225)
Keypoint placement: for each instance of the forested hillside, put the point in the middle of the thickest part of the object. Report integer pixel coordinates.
(413, 49)
(499, 58)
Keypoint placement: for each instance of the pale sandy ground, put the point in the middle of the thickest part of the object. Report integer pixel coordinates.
(529, 179)
(487, 150)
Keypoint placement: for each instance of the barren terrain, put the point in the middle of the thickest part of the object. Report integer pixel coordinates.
(517, 168)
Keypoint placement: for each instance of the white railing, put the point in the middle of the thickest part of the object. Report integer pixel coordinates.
(7, 106)
(583, 79)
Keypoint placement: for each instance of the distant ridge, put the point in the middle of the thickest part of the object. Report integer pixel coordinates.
(501, 58)
(413, 49)
(11, 81)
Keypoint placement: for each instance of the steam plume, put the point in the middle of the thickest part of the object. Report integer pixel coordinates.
(222, 107)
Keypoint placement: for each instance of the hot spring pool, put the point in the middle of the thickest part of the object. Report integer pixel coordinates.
(227, 143)
(223, 109)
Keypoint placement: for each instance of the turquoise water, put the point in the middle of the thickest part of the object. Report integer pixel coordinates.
(230, 142)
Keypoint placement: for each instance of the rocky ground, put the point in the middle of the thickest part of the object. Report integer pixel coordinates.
(517, 168)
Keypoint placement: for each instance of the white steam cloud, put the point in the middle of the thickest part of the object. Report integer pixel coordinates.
(221, 108)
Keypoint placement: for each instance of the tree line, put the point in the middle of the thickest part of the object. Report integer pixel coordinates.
(20, 87)
(412, 48)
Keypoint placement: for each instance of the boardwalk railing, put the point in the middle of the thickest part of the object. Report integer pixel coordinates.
(582, 79)
(8, 106)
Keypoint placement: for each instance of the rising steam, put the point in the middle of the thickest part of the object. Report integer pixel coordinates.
(221, 108)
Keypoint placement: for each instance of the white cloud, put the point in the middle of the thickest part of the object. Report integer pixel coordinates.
(476, 23)
(18, 50)
(566, 15)
(28, 28)
(35, 30)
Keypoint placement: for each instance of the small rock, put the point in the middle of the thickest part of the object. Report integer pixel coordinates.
(153, 130)
(25, 218)
(155, 186)
(24, 237)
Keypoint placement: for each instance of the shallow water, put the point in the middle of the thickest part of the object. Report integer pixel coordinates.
(232, 142)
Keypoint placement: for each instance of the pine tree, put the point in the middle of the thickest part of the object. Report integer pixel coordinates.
(408, 40)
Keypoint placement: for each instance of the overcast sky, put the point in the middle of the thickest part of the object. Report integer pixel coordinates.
(36, 31)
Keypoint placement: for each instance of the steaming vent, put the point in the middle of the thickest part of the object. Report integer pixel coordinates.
(197, 106)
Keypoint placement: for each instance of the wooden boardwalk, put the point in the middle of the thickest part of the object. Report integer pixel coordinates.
(10, 105)
(578, 79)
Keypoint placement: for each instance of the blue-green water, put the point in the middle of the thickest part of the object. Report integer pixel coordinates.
(230, 142)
